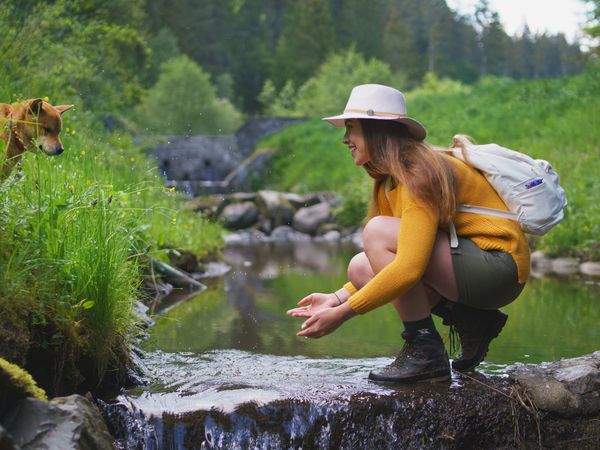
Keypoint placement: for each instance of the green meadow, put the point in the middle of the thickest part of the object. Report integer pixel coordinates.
(553, 119)
(76, 235)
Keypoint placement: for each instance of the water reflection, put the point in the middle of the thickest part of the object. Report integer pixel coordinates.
(245, 310)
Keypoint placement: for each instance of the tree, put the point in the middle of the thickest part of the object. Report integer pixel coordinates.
(327, 91)
(399, 49)
(62, 50)
(593, 27)
(305, 42)
(183, 102)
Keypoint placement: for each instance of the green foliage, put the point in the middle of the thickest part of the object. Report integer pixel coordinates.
(162, 46)
(285, 40)
(183, 102)
(278, 104)
(69, 49)
(327, 91)
(355, 202)
(310, 158)
(552, 119)
(434, 86)
(593, 27)
(305, 41)
(72, 231)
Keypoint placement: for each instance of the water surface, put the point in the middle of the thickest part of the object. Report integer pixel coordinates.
(553, 318)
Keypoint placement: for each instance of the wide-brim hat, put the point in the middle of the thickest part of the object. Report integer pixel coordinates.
(379, 102)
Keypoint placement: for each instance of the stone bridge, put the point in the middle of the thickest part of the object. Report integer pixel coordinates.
(216, 164)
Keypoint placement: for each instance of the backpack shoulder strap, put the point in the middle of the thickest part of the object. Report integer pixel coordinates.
(489, 211)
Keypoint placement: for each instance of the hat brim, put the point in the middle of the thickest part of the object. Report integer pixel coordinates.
(417, 130)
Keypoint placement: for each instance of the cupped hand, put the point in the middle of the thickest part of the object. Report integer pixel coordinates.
(313, 303)
(325, 321)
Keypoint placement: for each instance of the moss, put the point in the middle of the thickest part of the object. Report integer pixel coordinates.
(15, 384)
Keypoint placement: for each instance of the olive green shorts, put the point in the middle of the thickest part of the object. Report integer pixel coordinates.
(486, 279)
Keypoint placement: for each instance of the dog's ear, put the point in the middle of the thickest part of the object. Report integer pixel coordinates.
(63, 108)
(35, 106)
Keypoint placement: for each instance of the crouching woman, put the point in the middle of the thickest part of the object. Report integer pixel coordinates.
(408, 260)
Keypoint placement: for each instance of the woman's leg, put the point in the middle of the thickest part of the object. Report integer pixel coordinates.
(425, 356)
(380, 242)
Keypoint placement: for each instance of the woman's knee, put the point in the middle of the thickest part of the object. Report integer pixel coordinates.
(381, 232)
(359, 270)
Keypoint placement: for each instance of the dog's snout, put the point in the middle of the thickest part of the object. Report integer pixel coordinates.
(58, 150)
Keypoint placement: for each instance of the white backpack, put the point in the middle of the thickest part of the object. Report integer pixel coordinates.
(529, 187)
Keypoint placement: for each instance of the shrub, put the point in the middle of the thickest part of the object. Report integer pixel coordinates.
(183, 102)
(327, 92)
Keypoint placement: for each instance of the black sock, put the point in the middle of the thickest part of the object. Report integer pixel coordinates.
(443, 309)
(424, 328)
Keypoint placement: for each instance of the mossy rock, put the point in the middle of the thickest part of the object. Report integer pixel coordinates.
(15, 384)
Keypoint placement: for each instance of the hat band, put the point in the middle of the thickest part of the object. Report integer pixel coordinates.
(370, 112)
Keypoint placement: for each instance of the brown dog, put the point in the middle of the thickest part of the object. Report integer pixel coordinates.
(30, 125)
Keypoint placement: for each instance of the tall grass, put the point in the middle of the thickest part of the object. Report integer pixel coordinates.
(74, 231)
(553, 119)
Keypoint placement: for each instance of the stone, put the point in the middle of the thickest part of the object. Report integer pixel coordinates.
(239, 197)
(565, 266)
(142, 314)
(355, 238)
(246, 237)
(569, 387)
(540, 264)
(330, 236)
(274, 206)
(239, 215)
(286, 233)
(298, 201)
(590, 268)
(64, 423)
(6, 442)
(307, 220)
(282, 233)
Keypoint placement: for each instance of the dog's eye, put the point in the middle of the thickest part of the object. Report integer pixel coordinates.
(47, 130)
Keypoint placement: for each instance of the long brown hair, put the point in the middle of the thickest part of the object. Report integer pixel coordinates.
(423, 171)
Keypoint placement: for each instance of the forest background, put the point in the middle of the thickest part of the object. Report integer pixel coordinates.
(77, 232)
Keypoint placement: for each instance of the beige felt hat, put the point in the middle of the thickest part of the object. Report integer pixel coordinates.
(376, 101)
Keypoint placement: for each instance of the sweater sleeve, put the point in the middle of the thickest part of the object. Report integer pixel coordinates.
(417, 235)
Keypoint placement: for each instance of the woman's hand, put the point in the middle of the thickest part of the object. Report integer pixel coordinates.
(313, 303)
(325, 321)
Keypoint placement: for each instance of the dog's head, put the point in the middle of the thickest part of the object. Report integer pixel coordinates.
(40, 125)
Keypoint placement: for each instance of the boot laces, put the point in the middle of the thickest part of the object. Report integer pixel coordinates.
(454, 341)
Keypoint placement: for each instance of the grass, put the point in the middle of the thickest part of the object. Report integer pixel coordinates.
(75, 234)
(552, 119)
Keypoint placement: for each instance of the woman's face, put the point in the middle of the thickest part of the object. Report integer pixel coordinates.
(355, 141)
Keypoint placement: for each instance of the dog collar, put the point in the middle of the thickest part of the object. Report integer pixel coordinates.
(12, 126)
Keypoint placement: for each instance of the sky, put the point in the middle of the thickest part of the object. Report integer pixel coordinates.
(554, 16)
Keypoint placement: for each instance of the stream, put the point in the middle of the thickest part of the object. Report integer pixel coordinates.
(227, 371)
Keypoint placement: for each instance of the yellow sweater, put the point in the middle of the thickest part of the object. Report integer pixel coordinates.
(418, 232)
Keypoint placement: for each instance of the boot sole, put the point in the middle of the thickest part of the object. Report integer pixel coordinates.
(493, 335)
(433, 378)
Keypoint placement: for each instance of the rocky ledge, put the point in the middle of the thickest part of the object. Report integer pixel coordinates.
(290, 402)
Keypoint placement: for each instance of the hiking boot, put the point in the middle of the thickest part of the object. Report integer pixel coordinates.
(476, 328)
(422, 358)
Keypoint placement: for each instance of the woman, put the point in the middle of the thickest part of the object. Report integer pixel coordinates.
(407, 258)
